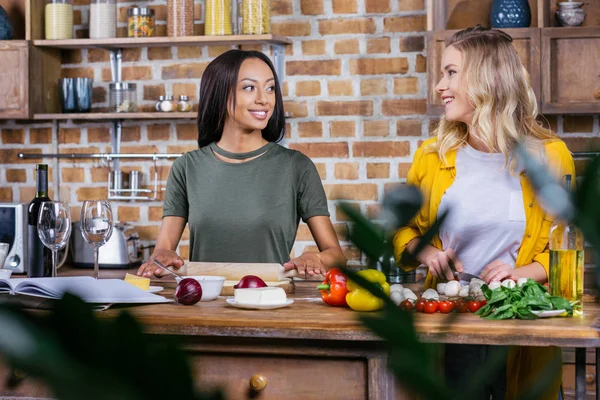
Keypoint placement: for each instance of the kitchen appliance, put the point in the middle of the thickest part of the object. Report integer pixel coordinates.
(13, 230)
(120, 252)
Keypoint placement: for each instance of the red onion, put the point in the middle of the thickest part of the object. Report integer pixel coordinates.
(250, 281)
(188, 292)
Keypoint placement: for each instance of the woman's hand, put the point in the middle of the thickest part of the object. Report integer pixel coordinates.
(308, 264)
(498, 270)
(166, 258)
(440, 263)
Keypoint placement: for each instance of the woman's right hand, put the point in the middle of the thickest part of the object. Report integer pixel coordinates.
(166, 258)
(440, 264)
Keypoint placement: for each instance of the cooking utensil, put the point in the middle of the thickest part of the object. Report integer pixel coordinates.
(465, 276)
(167, 269)
(268, 272)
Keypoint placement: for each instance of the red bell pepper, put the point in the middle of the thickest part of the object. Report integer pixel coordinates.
(333, 289)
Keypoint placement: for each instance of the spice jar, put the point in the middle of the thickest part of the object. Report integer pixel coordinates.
(184, 104)
(58, 15)
(103, 19)
(180, 17)
(217, 17)
(168, 104)
(140, 22)
(256, 17)
(122, 97)
(160, 100)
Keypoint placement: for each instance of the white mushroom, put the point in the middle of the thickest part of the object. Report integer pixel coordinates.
(452, 288)
(475, 287)
(509, 283)
(396, 287)
(522, 281)
(441, 288)
(494, 285)
(431, 294)
(464, 291)
(409, 294)
(397, 297)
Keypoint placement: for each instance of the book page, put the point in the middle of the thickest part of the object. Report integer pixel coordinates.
(87, 288)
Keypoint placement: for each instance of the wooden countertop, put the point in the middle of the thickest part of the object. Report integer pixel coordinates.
(309, 318)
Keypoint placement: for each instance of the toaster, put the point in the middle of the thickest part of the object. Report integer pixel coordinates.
(121, 251)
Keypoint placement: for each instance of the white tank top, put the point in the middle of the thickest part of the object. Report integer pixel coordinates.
(486, 221)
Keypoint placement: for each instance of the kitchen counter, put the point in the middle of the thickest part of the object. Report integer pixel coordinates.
(299, 348)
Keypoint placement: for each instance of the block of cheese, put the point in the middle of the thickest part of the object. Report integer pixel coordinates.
(139, 281)
(260, 296)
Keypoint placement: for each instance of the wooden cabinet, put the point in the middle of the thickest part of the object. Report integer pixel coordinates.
(14, 79)
(525, 40)
(563, 62)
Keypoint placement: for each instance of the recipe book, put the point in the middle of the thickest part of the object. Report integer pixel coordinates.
(100, 292)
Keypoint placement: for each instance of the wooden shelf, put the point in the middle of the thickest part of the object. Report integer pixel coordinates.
(117, 116)
(118, 43)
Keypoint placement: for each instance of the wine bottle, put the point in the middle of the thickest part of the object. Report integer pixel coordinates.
(39, 258)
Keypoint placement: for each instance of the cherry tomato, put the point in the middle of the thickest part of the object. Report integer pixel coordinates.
(420, 305)
(462, 306)
(474, 305)
(406, 305)
(431, 306)
(446, 307)
(483, 302)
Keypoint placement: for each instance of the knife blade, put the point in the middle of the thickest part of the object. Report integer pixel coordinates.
(465, 276)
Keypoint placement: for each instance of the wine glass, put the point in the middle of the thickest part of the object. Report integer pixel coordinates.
(54, 227)
(96, 226)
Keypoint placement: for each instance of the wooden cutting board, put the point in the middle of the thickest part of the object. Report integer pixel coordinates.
(287, 285)
(236, 271)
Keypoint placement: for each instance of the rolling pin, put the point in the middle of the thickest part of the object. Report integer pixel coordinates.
(236, 271)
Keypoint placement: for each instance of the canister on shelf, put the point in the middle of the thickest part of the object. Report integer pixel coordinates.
(180, 17)
(160, 100)
(256, 17)
(217, 17)
(168, 104)
(58, 15)
(122, 97)
(103, 19)
(140, 22)
(184, 105)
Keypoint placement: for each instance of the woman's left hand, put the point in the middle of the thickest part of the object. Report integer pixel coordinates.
(498, 271)
(308, 264)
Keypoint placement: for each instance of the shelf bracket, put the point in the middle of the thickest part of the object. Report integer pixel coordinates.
(116, 58)
(279, 61)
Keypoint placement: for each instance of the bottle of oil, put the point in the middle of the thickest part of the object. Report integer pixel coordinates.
(566, 260)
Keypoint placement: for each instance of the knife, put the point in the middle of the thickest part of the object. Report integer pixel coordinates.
(465, 276)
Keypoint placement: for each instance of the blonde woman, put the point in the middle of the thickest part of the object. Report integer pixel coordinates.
(495, 227)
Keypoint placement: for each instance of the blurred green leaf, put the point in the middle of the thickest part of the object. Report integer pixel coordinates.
(407, 256)
(366, 235)
(400, 205)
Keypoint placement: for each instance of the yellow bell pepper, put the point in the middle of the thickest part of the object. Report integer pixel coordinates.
(360, 299)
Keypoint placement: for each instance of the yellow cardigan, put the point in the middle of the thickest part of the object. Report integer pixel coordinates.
(429, 173)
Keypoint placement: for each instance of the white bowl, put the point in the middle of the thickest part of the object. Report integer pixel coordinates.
(5, 273)
(211, 286)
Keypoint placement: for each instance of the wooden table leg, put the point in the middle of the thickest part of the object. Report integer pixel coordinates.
(580, 373)
(597, 373)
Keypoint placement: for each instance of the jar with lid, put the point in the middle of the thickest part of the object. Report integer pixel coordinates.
(217, 17)
(122, 97)
(58, 16)
(184, 105)
(168, 104)
(160, 100)
(103, 19)
(256, 17)
(140, 22)
(180, 17)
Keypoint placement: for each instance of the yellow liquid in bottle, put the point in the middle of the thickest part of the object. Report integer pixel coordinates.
(566, 276)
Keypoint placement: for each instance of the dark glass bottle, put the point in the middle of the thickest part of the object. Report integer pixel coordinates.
(39, 258)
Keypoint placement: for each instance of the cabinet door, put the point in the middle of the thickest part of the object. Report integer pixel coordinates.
(14, 79)
(525, 40)
(571, 70)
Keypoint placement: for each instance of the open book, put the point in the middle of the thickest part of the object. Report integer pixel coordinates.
(97, 291)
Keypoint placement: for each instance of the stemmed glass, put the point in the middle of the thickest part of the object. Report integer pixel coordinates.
(96, 226)
(54, 227)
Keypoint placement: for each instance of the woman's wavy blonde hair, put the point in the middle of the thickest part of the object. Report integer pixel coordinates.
(499, 90)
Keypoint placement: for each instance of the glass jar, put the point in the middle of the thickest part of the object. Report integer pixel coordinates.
(122, 97)
(168, 104)
(160, 100)
(217, 17)
(180, 17)
(184, 104)
(103, 19)
(256, 17)
(58, 15)
(140, 22)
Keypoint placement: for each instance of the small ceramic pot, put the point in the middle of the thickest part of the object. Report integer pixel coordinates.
(570, 13)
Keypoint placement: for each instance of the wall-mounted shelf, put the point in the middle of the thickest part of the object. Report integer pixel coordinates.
(121, 43)
(114, 116)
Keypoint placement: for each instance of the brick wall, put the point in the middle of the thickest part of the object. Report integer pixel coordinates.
(355, 84)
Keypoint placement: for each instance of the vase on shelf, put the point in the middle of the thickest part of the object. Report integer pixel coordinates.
(6, 31)
(510, 14)
(570, 13)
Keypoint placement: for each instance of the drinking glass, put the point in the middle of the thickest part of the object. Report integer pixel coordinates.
(96, 226)
(54, 227)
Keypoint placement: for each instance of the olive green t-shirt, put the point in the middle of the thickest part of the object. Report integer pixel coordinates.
(244, 212)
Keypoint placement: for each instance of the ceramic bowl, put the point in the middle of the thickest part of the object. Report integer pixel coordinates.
(211, 286)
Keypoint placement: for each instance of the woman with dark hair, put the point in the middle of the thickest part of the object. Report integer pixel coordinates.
(241, 194)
